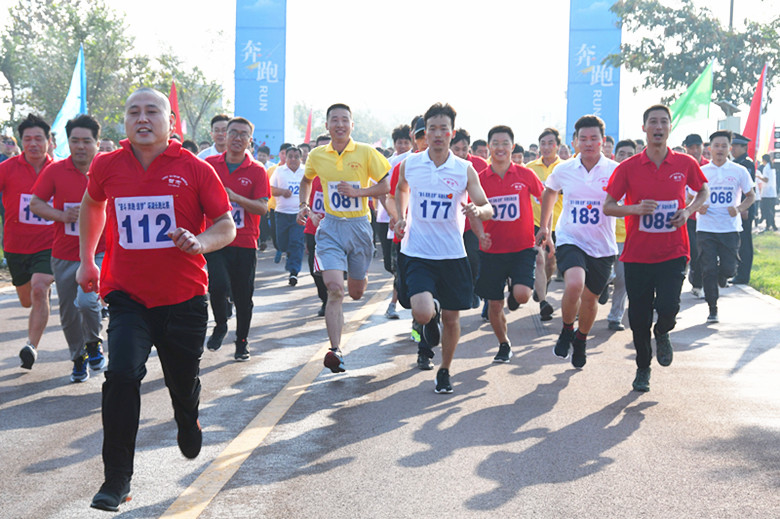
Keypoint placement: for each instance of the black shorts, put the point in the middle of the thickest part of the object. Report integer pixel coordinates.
(23, 266)
(449, 281)
(495, 269)
(597, 270)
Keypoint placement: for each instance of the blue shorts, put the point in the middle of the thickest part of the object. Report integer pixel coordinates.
(495, 269)
(448, 280)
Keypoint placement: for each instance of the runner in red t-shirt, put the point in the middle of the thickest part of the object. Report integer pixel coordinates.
(27, 237)
(656, 249)
(507, 252)
(65, 181)
(153, 198)
(232, 269)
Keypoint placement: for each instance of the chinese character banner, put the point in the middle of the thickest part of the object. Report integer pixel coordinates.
(593, 88)
(261, 31)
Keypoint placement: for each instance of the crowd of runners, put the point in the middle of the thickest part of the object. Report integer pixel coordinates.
(461, 224)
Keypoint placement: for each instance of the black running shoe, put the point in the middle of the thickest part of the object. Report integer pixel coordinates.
(578, 357)
(321, 311)
(217, 336)
(562, 345)
(545, 311)
(642, 380)
(111, 495)
(190, 440)
(242, 350)
(511, 302)
(663, 349)
(431, 331)
(28, 354)
(97, 361)
(334, 362)
(424, 362)
(443, 385)
(604, 296)
(504, 353)
(293, 280)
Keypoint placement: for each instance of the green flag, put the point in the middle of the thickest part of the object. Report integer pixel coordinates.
(694, 104)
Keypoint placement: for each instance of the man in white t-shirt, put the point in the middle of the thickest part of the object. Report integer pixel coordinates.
(585, 236)
(218, 134)
(767, 174)
(285, 184)
(719, 222)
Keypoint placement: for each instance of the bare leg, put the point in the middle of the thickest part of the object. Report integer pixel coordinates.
(450, 336)
(574, 284)
(498, 319)
(589, 307)
(334, 314)
(39, 314)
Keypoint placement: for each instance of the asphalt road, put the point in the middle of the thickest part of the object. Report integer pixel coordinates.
(533, 438)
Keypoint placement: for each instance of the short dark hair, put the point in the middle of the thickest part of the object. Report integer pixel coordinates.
(217, 118)
(323, 138)
(441, 109)
(477, 143)
(654, 108)
(766, 157)
(722, 133)
(338, 106)
(264, 149)
(625, 143)
(83, 121)
(204, 143)
(285, 146)
(403, 131)
(294, 149)
(189, 144)
(241, 120)
(461, 135)
(518, 149)
(589, 121)
(551, 131)
(304, 145)
(34, 121)
(610, 139)
(501, 129)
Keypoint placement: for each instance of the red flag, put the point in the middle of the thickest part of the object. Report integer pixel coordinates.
(753, 124)
(174, 99)
(307, 137)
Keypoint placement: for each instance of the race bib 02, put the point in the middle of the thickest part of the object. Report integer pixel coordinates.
(143, 222)
(238, 216)
(318, 204)
(294, 188)
(584, 212)
(434, 207)
(71, 229)
(339, 202)
(26, 215)
(658, 221)
(505, 208)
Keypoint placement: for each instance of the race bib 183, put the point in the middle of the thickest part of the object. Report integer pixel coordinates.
(26, 215)
(144, 222)
(71, 229)
(658, 221)
(339, 202)
(584, 212)
(505, 208)
(433, 206)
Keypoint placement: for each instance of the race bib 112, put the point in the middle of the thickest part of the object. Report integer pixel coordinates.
(143, 222)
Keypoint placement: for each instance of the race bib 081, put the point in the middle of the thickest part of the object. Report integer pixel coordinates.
(143, 222)
(339, 202)
(658, 221)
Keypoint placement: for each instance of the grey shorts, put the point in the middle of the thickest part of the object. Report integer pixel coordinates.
(344, 244)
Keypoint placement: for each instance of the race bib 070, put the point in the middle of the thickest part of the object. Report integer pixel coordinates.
(25, 213)
(505, 208)
(433, 207)
(143, 222)
(71, 229)
(318, 204)
(658, 221)
(584, 212)
(339, 202)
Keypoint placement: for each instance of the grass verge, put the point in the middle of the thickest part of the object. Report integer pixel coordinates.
(765, 276)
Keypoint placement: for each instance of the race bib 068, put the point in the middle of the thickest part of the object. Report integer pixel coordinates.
(722, 196)
(658, 221)
(144, 222)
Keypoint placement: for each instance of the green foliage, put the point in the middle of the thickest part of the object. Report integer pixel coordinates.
(670, 46)
(765, 276)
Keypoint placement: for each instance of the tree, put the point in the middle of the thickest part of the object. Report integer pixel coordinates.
(39, 48)
(368, 127)
(671, 46)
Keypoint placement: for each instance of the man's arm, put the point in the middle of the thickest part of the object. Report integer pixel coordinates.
(549, 197)
(304, 191)
(92, 219)
(47, 212)
(479, 207)
(401, 200)
(380, 188)
(750, 197)
(681, 216)
(220, 234)
(612, 208)
(259, 206)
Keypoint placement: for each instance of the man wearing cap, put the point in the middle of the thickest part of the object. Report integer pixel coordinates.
(739, 145)
(693, 146)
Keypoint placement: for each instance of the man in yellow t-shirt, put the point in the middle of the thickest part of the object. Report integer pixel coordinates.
(344, 236)
(549, 141)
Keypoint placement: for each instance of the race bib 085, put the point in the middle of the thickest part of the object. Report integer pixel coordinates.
(658, 221)
(144, 222)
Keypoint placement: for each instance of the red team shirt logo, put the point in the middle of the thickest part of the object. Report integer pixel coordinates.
(519, 186)
(677, 177)
(175, 180)
(451, 182)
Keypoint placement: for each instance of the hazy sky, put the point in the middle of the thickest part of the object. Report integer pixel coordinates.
(496, 62)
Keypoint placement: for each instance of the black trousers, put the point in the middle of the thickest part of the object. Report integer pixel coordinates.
(745, 252)
(232, 271)
(322, 291)
(471, 242)
(715, 246)
(387, 246)
(694, 269)
(178, 332)
(652, 286)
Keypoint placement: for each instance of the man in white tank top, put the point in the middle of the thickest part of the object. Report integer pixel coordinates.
(435, 278)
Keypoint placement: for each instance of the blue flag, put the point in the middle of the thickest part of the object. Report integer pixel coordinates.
(75, 104)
